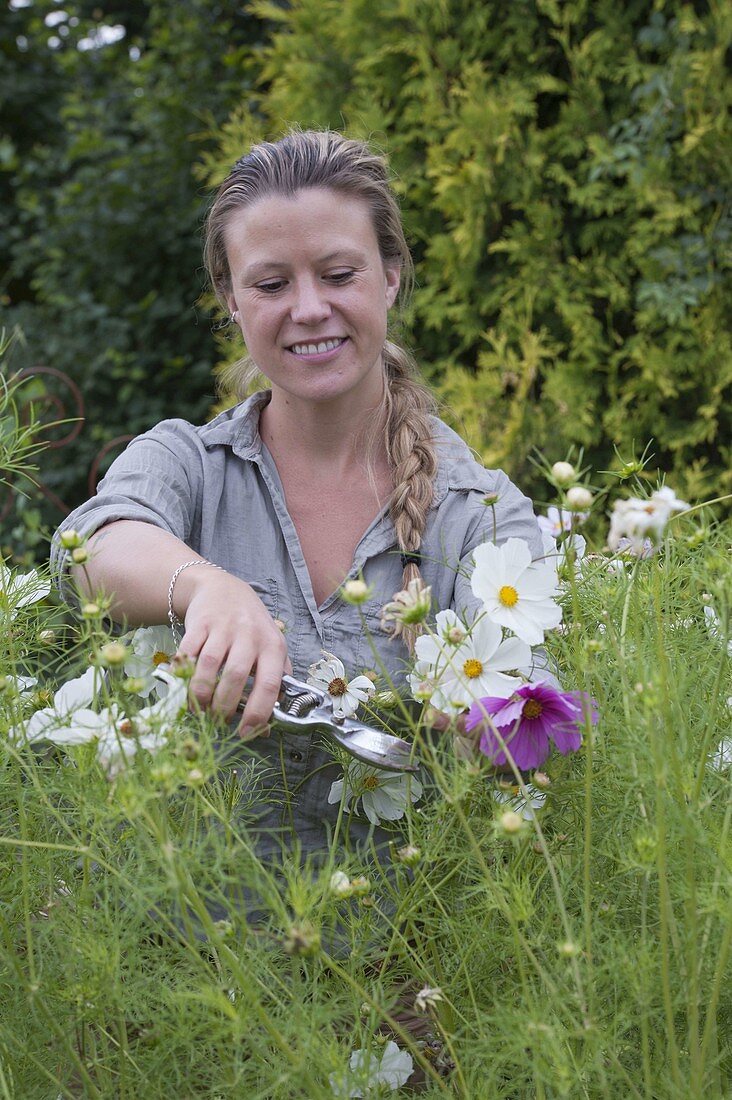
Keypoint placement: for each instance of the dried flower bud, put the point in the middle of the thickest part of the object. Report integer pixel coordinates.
(408, 607)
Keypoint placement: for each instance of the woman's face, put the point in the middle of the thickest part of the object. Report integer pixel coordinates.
(311, 293)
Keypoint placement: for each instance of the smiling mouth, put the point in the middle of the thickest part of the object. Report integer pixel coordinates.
(319, 347)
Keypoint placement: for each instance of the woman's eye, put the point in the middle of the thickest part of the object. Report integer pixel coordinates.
(271, 286)
(340, 276)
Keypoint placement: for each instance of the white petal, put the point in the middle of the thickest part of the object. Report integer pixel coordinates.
(77, 693)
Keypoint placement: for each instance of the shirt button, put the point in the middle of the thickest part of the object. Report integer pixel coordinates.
(296, 756)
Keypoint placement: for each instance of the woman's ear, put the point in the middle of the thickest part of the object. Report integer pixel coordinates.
(393, 280)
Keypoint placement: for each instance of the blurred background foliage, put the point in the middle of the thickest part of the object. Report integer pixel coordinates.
(564, 170)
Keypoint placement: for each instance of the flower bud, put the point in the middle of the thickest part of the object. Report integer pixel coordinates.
(491, 499)
(455, 635)
(563, 473)
(360, 886)
(91, 610)
(191, 749)
(133, 684)
(113, 654)
(579, 499)
(568, 949)
(409, 855)
(195, 777)
(79, 555)
(511, 822)
(47, 637)
(340, 884)
(302, 939)
(70, 539)
(356, 592)
(541, 780)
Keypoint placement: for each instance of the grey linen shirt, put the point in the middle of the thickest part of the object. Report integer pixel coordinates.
(217, 489)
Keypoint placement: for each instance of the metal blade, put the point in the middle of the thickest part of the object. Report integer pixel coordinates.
(372, 746)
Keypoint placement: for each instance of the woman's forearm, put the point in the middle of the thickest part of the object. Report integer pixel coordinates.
(131, 564)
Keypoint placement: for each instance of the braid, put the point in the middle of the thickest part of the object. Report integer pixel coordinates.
(411, 452)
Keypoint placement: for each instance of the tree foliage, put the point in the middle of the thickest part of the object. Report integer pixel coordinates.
(103, 210)
(564, 171)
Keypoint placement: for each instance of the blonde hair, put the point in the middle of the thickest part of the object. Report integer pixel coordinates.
(315, 158)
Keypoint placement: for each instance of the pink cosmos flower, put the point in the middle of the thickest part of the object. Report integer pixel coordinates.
(534, 715)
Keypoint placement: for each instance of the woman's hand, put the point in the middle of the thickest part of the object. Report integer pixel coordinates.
(230, 636)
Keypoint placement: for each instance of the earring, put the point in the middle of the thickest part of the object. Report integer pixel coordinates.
(233, 316)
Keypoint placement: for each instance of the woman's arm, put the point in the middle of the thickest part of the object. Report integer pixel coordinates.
(229, 632)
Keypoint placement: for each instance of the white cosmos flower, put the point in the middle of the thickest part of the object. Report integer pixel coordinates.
(722, 759)
(522, 804)
(516, 592)
(378, 1074)
(150, 648)
(639, 520)
(567, 555)
(329, 675)
(383, 795)
(20, 589)
(73, 696)
(470, 669)
(70, 721)
(557, 521)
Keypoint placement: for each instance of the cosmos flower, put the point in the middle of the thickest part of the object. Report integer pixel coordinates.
(556, 521)
(535, 715)
(388, 1072)
(461, 672)
(20, 589)
(383, 795)
(329, 675)
(639, 520)
(150, 647)
(516, 592)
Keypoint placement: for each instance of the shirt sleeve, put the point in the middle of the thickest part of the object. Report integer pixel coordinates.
(158, 479)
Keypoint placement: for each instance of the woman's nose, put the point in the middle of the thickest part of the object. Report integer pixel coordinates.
(310, 302)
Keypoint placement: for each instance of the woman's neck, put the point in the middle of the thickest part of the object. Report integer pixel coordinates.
(322, 435)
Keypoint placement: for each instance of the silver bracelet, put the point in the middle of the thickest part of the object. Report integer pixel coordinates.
(172, 617)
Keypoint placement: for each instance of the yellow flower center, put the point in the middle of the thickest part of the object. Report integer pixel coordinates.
(371, 782)
(160, 658)
(532, 708)
(337, 687)
(472, 668)
(508, 595)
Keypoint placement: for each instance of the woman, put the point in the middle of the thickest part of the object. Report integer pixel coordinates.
(337, 471)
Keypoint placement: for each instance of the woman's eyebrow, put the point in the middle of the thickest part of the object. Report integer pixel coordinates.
(267, 267)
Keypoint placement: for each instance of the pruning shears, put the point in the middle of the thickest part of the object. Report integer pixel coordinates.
(302, 708)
